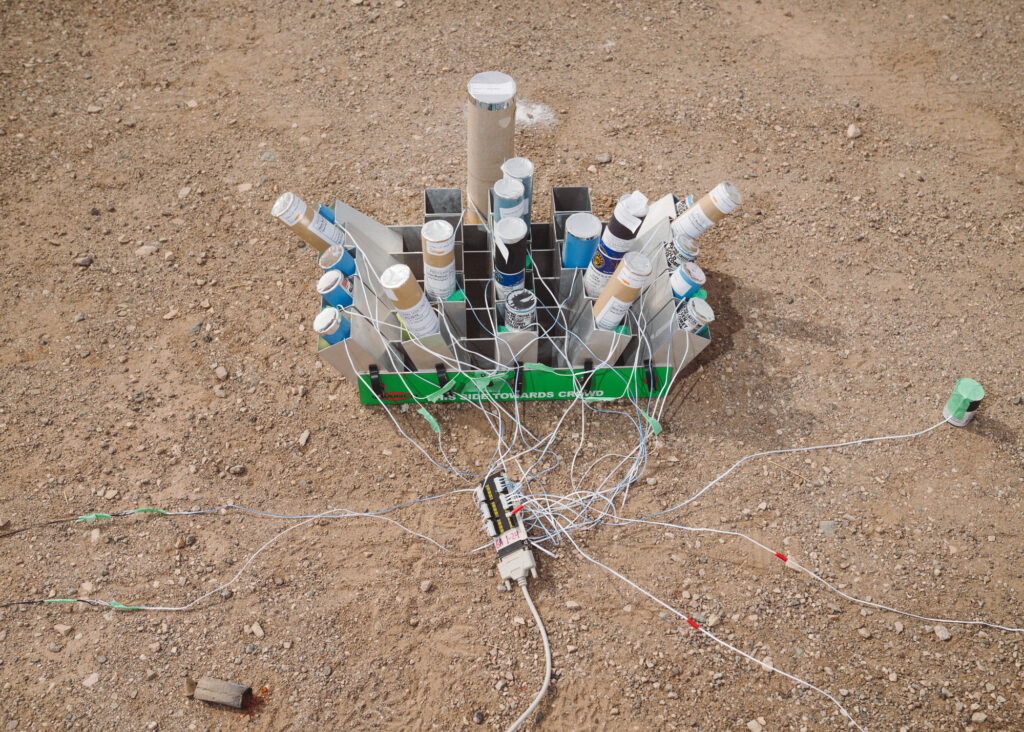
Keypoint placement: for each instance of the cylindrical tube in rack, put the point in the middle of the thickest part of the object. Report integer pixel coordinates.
(313, 228)
(708, 211)
(520, 310)
(582, 234)
(337, 258)
(332, 326)
(622, 289)
(509, 201)
(509, 271)
(490, 136)
(618, 238)
(522, 170)
(679, 250)
(695, 315)
(335, 288)
(438, 259)
(410, 302)
(686, 280)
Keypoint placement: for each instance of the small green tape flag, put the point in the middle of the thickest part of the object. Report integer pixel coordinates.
(655, 424)
(58, 600)
(541, 367)
(149, 510)
(433, 397)
(600, 398)
(118, 606)
(90, 517)
(430, 418)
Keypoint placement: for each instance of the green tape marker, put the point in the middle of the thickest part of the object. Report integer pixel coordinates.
(149, 510)
(430, 418)
(655, 424)
(57, 600)
(118, 606)
(90, 517)
(963, 402)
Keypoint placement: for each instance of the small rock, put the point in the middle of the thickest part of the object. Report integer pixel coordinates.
(652, 481)
(13, 724)
(83, 261)
(79, 317)
(150, 675)
(237, 470)
(250, 648)
(145, 250)
(426, 586)
(221, 372)
(93, 109)
(754, 726)
(268, 157)
(257, 630)
(604, 158)
(64, 630)
(94, 536)
(304, 438)
(220, 393)
(591, 168)
(227, 594)
(414, 622)
(853, 132)
(91, 680)
(864, 632)
(478, 717)
(327, 671)
(244, 187)
(179, 543)
(942, 633)
(171, 314)
(1017, 400)
(828, 528)
(572, 605)
(191, 104)
(183, 193)
(501, 685)
(898, 626)
(979, 717)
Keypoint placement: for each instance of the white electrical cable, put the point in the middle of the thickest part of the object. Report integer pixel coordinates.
(547, 660)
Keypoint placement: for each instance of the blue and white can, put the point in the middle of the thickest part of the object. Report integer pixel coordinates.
(335, 288)
(506, 283)
(332, 326)
(521, 169)
(509, 201)
(582, 234)
(686, 280)
(337, 258)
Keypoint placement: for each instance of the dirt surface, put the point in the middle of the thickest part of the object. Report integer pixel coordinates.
(142, 147)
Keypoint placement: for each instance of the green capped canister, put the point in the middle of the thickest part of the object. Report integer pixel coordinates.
(963, 402)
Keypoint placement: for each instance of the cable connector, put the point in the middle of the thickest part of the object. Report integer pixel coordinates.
(502, 515)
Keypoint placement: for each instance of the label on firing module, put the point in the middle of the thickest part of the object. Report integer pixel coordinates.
(421, 320)
(326, 230)
(611, 314)
(509, 537)
(439, 282)
(692, 223)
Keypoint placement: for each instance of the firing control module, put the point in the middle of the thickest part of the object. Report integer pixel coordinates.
(503, 522)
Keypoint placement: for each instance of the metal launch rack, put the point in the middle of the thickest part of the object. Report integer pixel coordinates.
(474, 357)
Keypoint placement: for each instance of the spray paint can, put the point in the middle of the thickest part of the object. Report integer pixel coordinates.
(520, 310)
(582, 234)
(694, 315)
(311, 227)
(521, 169)
(335, 288)
(438, 259)
(410, 302)
(686, 280)
(618, 238)
(338, 258)
(509, 201)
(679, 250)
(490, 136)
(510, 265)
(963, 403)
(622, 289)
(332, 326)
(712, 208)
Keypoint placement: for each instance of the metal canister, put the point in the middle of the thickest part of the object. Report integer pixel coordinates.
(582, 234)
(520, 310)
(686, 280)
(337, 258)
(521, 169)
(695, 315)
(510, 265)
(335, 288)
(509, 200)
(680, 249)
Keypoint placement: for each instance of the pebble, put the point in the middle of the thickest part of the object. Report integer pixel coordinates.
(79, 317)
(227, 594)
(237, 470)
(304, 438)
(1017, 400)
(221, 372)
(244, 187)
(250, 648)
(754, 726)
(426, 586)
(64, 630)
(93, 109)
(828, 528)
(572, 605)
(268, 157)
(257, 630)
(652, 481)
(83, 261)
(191, 104)
(94, 536)
(91, 680)
(478, 717)
(183, 193)
(13, 724)
(942, 633)
(864, 632)
(853, 132)
(179, 543)
(150, 675)
(501, 685)
(604, 158)
(591, 168)
(898, 626)
(171, 314)
(979, 717)
(327, 671)
(220, 393)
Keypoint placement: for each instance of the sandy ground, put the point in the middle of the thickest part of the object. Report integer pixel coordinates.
(141, 147)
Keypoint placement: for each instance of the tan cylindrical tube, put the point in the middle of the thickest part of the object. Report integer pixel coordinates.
(305, 221)
(708, 211)
(410, 302)
(490, 136)
(622, 289)
(438, 238)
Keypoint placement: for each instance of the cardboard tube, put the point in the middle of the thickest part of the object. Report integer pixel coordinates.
(438, 238)
(622, 289)
(709, 210)
(490, 136)
(311, 227)
(410, 302)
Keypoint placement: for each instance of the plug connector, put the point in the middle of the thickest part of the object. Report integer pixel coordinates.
(504, 524)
